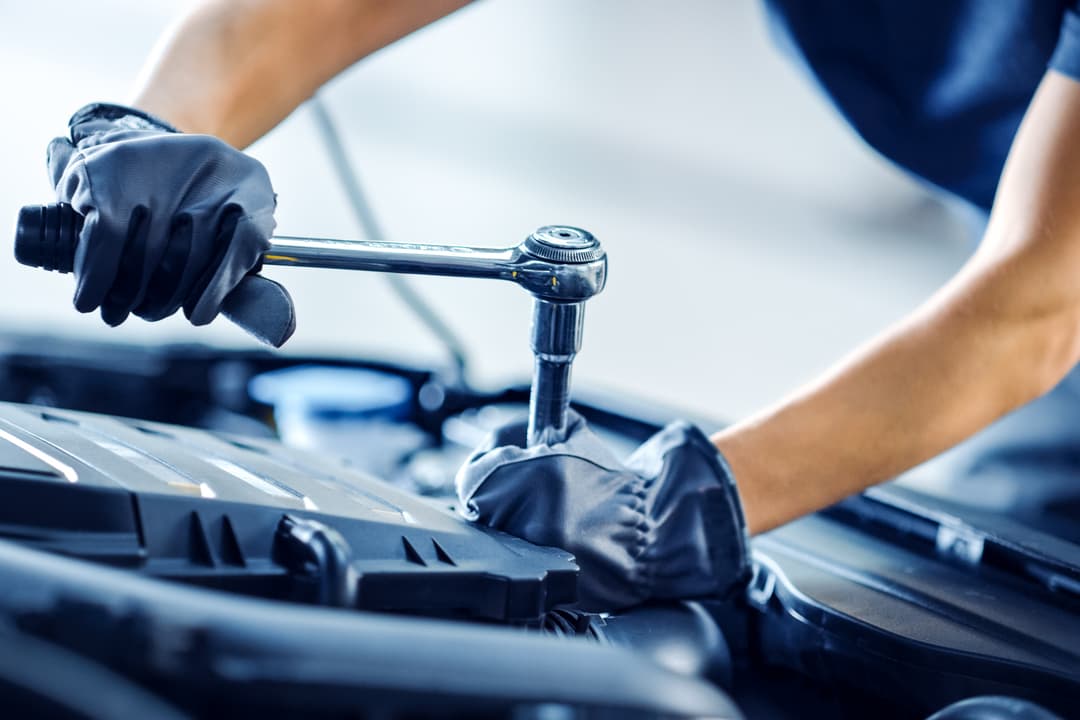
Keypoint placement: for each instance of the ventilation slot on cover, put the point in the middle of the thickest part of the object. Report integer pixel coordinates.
(230, 551)
(411, 553)
(198, 543)
(441, 553)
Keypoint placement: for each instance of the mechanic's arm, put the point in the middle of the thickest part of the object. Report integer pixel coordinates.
(236, 69)
(1001, 333)
(175, 217)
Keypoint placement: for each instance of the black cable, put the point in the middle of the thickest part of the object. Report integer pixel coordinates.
(365, 216)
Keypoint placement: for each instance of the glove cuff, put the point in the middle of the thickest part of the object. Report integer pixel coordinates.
(727, 520)
(699, 543)
(118, 116)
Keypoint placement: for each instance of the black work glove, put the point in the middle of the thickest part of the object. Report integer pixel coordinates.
(667, 523)
(171, 220)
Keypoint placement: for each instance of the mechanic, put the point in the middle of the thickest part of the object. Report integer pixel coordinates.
(177, 216)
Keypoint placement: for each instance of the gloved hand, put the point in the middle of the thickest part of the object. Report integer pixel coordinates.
(171, 220)
(667, 523)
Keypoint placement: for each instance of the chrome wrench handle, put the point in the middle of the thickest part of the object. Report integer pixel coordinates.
(559, 265)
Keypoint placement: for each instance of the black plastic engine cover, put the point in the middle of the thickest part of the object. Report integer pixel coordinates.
(849, 600)
(210, 509)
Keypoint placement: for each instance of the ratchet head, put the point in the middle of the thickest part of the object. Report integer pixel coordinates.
(564, 244)
(559, 263)
(562, 267)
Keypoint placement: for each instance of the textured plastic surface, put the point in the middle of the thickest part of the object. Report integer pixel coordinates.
(858, 600)
(46, 236)
(183, 503)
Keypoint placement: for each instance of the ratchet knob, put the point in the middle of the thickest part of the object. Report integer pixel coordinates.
(564, 244)
(46, 236)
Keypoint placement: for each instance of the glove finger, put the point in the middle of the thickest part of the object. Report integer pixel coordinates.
(57, 157)
(506, 446)
(210, 269)
(153, 242)
(510, 434)
(648, 459)
(171, 279)
(97, 258)
(238, 250)
(122, 296)
(580, 439)
(263, 308)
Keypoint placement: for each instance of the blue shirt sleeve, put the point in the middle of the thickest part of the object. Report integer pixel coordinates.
(1066, 57)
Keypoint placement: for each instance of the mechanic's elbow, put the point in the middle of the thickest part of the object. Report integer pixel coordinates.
(1054, 352)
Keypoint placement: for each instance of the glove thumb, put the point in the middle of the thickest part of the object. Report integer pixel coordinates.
(263, 308)
(57, 158)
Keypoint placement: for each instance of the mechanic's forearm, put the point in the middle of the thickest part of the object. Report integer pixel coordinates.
(910, 395)
(236, 68)
(1001, 333)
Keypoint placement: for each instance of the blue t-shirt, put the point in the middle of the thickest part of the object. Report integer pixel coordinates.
(937, 86)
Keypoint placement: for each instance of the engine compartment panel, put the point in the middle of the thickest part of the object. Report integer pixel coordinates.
(891, 604)
(179, 502)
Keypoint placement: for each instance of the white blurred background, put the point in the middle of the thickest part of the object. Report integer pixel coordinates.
(753, 239)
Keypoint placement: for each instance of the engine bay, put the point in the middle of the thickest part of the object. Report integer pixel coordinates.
(178, 529)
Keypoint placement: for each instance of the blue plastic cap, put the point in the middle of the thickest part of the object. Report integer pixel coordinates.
(334, 393)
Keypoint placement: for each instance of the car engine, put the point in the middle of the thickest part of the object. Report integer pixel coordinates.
(187, 531)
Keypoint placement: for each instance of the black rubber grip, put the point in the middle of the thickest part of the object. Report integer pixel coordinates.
(46, 236)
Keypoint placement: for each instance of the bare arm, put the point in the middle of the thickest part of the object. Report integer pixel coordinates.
(1005, 330)
(236, 68)
(1002, 332)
